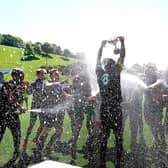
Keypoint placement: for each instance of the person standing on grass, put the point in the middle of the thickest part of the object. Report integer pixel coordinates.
(12, 97)
(57, 94)
(153, 107)
(81, 90)
(108, 79)
(37, 89)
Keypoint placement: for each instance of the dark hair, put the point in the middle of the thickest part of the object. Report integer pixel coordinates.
(40, 70)
(17, 72)
(54, 70)
(108, 61)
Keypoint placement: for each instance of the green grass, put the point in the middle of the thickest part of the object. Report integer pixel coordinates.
(6, 146)
(11, 57)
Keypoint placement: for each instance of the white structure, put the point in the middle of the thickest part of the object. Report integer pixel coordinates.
(52, 164)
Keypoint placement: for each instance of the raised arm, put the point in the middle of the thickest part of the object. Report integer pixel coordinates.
(122, 52)
(99, 56)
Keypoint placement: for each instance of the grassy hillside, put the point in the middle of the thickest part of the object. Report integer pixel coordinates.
(11, 57)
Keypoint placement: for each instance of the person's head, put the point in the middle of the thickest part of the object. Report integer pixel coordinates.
(108, 63)
(150, 69)
(17, 74)
(40, 73)
(151, 73)
(54, 75)
(76, 80)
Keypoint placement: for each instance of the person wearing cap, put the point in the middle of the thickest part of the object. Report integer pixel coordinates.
(12, 98)
(108, 79)
(37, 89)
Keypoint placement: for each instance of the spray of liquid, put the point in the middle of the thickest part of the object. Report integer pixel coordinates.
(131, 86)
(59, 108)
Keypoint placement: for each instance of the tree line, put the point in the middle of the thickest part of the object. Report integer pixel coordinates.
(39, 48)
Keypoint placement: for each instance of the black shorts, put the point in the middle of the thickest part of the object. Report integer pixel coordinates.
(111, 117)
(54, 120)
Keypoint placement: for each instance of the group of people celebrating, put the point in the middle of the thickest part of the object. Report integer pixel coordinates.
(103, 111)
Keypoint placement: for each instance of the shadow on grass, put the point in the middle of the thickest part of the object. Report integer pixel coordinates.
(30, 58)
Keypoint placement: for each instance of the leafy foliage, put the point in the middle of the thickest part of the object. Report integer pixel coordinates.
(10, 40)
(29, 49)
(37, 48)
(34, 48)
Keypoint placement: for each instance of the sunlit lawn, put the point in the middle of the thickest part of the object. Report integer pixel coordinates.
(10, 58)
(6, 146)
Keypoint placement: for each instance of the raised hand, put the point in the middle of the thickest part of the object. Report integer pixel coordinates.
(121, 38)
(103, 43)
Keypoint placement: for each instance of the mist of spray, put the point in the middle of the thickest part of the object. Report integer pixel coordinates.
(60, 107)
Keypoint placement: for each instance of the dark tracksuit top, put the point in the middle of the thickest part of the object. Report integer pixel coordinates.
(8, 116)
(110, 93)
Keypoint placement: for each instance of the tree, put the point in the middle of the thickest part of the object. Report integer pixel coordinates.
(1, 37)
(37, 48)
(47, 48)
(59, 51)
(9, 40)
(19, 42)
(68, 53)
(29, 49)
(81, 55)
(54, 48)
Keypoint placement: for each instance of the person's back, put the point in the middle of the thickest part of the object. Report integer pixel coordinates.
(110, 108)
(109, 84)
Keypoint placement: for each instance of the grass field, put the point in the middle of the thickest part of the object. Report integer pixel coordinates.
(10, 58)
